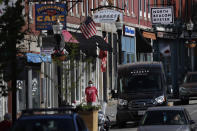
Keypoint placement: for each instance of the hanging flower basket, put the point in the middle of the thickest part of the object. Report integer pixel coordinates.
(61, 58)
(190, 45)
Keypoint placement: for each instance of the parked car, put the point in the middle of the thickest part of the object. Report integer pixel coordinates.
(188, 89)
(62, 119)
(166, 118)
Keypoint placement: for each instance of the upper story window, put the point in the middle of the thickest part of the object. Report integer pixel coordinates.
(132, 8)
(180, 8)
(162, 2)
(127, 7)
(144, 8)
(71, 10)
(123, 5)
(155, 2)
(149, 9)
(87, 7)
(93, 3)
(140, 7)
(31, 12)
(77, 9)
(83, 8)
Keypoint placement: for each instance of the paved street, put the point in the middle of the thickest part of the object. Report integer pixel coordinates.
(191, 109)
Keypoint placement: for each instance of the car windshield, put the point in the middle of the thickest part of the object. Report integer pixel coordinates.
(160, 117)
(141, 82)
(191, 78)
(44, 125)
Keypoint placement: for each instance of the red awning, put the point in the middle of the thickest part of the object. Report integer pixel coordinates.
(68, 37)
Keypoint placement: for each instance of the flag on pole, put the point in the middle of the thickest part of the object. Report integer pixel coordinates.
(88, 28)
(103, 57)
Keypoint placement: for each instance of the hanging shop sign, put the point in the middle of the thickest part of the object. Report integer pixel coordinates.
(166, 35)
(107, 16)
(47, 14)
(129, 31)
(162, 15)
(149, 35)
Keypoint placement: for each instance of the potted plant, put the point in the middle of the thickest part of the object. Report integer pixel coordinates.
(89, 113)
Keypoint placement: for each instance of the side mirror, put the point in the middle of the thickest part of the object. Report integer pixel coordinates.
(114, 94)
(191, 122)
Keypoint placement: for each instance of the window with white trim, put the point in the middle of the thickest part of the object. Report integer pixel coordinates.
(127, 5)
(162, 2)
(77, 9)
(132, 8)
(123, 5)
(87, 7)
(31, 12)
(140, 7)
(92, 6)
(180, 8)
(155, 3)
(71, 10)
(149, 9)
(145, 9)
(83, 8)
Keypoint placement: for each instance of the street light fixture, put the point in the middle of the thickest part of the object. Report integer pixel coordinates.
(57, 30)
(190, 27)
(119, 25)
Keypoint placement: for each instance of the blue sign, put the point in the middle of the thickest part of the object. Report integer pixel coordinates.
(47, 15)
(129, 31)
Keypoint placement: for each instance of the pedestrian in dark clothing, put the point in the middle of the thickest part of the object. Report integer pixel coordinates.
(6, 124)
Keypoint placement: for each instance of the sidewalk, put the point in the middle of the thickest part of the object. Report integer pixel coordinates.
(111, 110)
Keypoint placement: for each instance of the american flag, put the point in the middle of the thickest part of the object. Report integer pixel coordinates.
(88, 28)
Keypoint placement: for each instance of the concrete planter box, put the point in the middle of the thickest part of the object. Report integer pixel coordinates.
(90, 118)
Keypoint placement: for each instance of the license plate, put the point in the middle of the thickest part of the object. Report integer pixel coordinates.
(141, 113)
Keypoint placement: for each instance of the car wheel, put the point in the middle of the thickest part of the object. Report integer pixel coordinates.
(184, 101)
(119, 123)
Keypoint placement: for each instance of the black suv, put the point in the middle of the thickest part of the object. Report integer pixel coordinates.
(56, 119)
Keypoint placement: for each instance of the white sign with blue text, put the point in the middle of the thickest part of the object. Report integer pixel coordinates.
(129, 31)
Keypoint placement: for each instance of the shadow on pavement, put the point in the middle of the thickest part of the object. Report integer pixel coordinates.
(127, 125)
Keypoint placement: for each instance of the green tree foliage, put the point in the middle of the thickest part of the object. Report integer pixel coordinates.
(11, 34)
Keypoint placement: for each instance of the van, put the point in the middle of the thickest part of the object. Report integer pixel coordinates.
(140, 85)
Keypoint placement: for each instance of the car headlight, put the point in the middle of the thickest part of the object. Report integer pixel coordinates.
(160, 99)
(122, 102)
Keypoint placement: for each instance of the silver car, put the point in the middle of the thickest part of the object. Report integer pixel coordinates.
(168, 118)
(188, 89)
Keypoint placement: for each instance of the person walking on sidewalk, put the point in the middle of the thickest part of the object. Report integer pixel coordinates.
(6, 124)
(91, 94)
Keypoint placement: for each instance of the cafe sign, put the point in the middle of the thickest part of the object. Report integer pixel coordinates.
(107, 16)
(47, 14)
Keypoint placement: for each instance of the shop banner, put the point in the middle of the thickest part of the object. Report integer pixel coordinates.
(47, 15)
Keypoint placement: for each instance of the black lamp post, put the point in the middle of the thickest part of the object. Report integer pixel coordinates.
(119, 26)
(57, 30)
(190, 27)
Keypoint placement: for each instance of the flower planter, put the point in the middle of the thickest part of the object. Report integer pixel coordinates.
(90, 118)
(61, 58)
